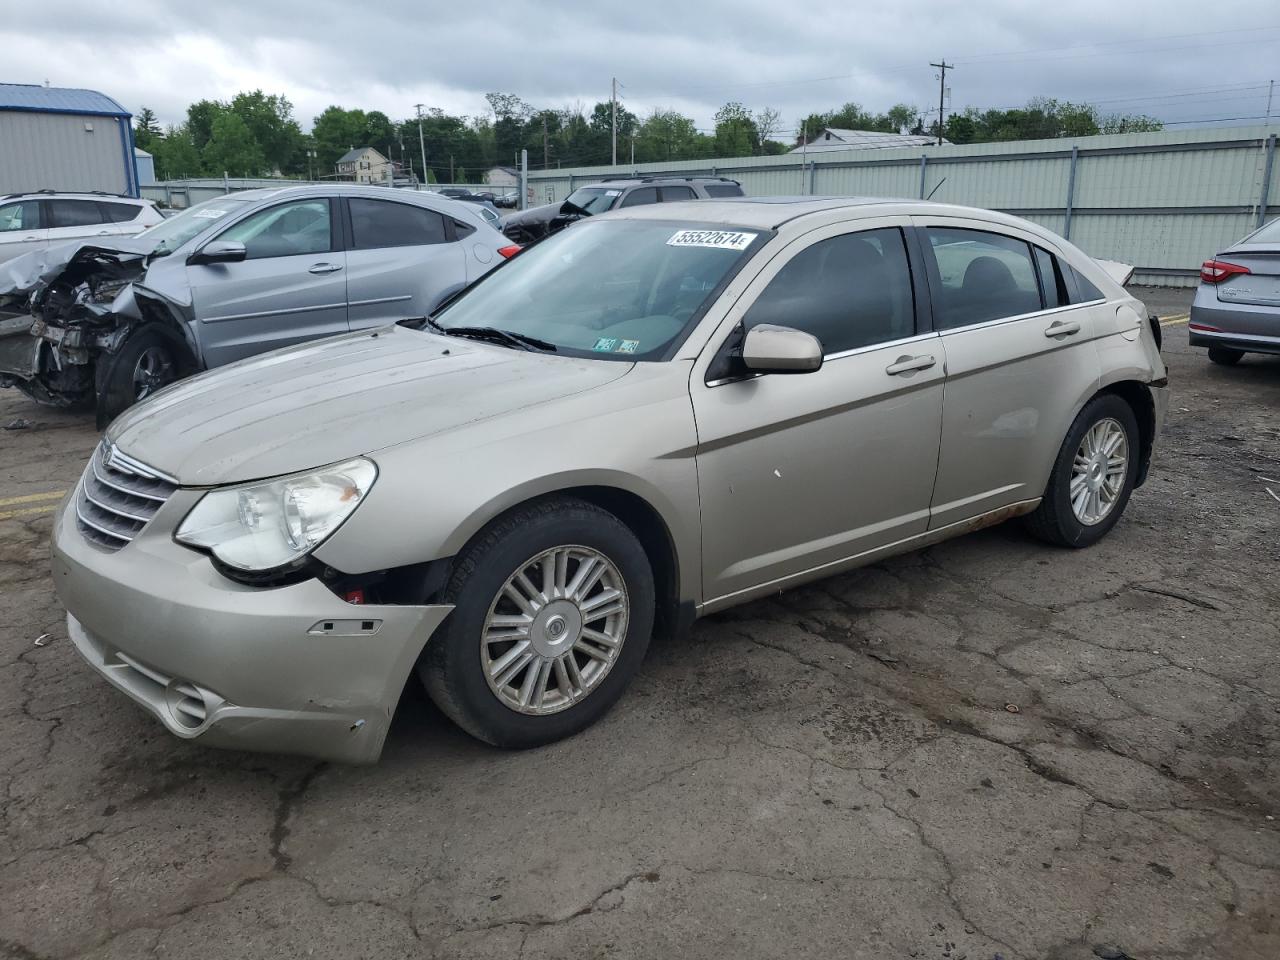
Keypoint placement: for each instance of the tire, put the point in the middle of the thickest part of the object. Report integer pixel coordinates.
(1225, 356)
(1056, 520)
(464, 675)
(149, 360)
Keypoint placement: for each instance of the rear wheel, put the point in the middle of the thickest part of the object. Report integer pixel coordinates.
(553, 609)
(1092, 477)
(1225, 356)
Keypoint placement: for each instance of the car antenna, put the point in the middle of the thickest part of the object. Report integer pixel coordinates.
(935, 189)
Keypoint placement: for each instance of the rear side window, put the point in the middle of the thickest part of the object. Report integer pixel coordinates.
(848, 291)
(670, 194)
(23, 215)
(1085, 288)
(982, 276)
(640, 196)
(723, 190)
(119, 212)
(385, 223)
(74, 213)
(1052, 285)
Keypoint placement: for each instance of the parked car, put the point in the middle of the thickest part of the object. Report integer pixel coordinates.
(612, 193)
(35, 221)
(229, 278)
(656, 415)
(506, 201)
(1236, 309)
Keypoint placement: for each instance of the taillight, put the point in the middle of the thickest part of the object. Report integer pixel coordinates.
(1215, 271)
(508, 252)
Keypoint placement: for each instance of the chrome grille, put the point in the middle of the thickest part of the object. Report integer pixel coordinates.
(118, 496)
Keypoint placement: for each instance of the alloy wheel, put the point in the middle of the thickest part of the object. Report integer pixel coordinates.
(1098, 472)
(153, 370)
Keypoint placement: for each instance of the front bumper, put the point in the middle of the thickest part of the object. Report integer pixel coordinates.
(289, 670)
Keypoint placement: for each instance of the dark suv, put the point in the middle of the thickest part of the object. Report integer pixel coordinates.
(613, 193)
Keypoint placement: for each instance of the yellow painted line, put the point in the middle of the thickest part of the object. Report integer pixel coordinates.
(33, 497)
(1174, 321)
(27, 511)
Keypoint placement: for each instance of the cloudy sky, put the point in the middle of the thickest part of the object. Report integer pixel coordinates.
(1132, 56)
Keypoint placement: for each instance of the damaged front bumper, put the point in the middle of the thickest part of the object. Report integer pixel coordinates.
(291, 669)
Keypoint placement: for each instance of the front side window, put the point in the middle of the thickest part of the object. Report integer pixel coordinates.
(640, 197)
(609, 290)
(982, 276)
(170, 234)
(23, 215)
(285, 230)
(74, 213)
(386, 223)
(849, 291)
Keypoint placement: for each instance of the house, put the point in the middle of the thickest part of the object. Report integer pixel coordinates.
(364, 165)
(54, 138)
(832, 138)
(502, 177)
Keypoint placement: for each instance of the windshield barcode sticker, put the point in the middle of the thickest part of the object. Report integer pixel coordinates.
(719, 239)
(209, 214)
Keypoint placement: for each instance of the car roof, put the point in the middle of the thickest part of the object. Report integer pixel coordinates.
(769, 213)
(649, 181)
(71, 194)
(335, 189)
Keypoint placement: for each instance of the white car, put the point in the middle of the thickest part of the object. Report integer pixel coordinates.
(33, 221)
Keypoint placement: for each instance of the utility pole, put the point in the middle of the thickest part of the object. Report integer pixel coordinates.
(613, 101)
(545, 162)
(1271, 89)
(422, 144)
(633, 150)
(942, 92)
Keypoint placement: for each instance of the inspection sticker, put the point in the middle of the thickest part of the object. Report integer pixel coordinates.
(209, 214)
(629, 346)
(719, 239)
(606, 344)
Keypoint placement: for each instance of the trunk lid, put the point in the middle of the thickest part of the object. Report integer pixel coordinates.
(1261, 285)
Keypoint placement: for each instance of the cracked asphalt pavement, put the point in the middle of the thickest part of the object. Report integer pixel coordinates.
(991, 748)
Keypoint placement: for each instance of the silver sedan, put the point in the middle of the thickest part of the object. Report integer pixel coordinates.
(656, 415)
(1236, 309)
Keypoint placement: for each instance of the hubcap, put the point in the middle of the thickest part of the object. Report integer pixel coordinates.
(554, 630)
(152, 371)
(1098, 472)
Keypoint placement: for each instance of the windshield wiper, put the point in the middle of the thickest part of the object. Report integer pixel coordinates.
(494, 335)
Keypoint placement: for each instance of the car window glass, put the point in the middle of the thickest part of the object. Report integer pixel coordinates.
(594, 199)
(74, 213)
(849, 291)
(723, 190)
(23, 215)
(385, 223)
(1051, 281)
(1270, 233)
(639, 196)
(285, 230)
(984, 276)
(1085, 288)
(670, 194)
(119, 212)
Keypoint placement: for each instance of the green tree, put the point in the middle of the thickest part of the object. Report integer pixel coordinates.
(146, 130)
(269, 119)
(336, 131)
(231, 148)
(668, 135)
(200, 117)
(736, 133)
(176, 156)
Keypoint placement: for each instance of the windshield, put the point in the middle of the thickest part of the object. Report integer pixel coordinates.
(594, 199)
(174, 232)
(611, 289)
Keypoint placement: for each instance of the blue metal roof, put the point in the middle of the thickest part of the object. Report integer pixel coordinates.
(38, 99)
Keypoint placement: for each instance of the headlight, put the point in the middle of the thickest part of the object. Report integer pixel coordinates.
(262, 526)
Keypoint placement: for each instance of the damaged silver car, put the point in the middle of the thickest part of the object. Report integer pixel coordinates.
(109, 323)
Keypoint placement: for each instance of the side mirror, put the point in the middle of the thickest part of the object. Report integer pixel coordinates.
(219, 251)
(773, 349)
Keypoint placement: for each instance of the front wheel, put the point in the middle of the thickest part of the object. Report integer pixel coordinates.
(553, 610)
(1092, 477)
(148, 361)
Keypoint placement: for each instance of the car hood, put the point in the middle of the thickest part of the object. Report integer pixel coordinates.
(304, 407)
(543, 214)
(72, 262)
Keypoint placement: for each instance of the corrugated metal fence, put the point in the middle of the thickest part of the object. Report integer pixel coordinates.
(1161, 201)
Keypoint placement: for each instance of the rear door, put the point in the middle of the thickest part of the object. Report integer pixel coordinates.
(1019, 361)
(402, 260)
(21, 228)
(290, 287)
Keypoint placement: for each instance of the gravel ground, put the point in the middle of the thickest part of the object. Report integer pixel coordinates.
(991, 748)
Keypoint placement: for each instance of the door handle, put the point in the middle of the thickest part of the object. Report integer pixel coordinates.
(30, 238)
(325, 268)
(104, 233)
(1062, 328)
(907, 364)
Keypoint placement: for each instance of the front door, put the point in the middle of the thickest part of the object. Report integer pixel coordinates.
(798, 473)
(291, 286)
(1021, 358)
(21, 228)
